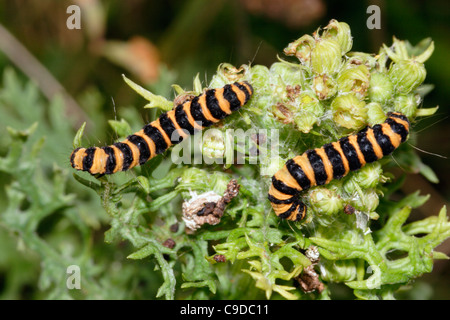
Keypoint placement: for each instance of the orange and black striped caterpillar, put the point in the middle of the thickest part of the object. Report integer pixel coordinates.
(333, 161)
(170, 128)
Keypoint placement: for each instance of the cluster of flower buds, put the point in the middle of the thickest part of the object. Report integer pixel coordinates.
(354, 195)
(353, 89)
(332, 92)
(329, 92)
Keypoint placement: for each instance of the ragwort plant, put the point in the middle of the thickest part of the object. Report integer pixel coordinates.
(354, 233)
(44, 227)
(353, 230)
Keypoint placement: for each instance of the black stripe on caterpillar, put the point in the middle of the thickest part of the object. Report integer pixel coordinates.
(333, 161)
(170, 128)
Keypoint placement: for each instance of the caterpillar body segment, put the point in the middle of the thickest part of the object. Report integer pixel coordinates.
(170, 128)
(333, 161)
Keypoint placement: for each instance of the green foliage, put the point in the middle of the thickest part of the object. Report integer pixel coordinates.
(44, 230)
(250, 253)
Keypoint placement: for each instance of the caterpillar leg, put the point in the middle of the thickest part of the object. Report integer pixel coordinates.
(286, 206)
(290, 209)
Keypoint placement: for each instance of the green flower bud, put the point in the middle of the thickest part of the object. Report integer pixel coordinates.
(368, 202)
(407, 75)
(348, 111)
(381, 88)
(325, 201)
(375, 113)
(259, 76)
(369, 176)
(279, 92)
(263, 98)
(213, 144)
(338, 271)
(309, 111)
(326, 57)
(358, 58)
(363, 200)
(228, 72)
(310, 103)
(407, 104)
(341, 32)
(301, 48)
(198, 179)
(305, 121)
(259, 105)
(283, 112)
(283, 73)
(351, 186)
(355, 79)
(360, 188)
(324, 86)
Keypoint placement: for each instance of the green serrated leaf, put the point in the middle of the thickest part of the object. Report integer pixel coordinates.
(205, 283)
(168, 287)
(142, 253)
(22, 134)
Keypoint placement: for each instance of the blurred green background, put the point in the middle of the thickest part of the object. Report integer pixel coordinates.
(158, 43)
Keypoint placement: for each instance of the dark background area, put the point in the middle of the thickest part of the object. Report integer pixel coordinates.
(157, 43)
